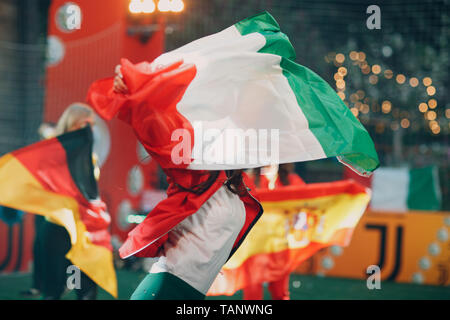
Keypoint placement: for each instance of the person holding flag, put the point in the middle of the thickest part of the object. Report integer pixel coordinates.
(182, 106)
(55, 178)
(55, 238)
(284, 175)
(275, 176)
(46, 131)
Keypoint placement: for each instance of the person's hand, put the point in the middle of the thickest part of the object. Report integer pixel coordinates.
(119, 84)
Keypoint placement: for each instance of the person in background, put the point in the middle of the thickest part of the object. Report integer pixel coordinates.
(46, 131)
(54, 238)
(278, 176)
(270, 178)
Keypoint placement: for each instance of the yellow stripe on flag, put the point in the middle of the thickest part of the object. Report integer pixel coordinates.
(281, 226)
(23, 192)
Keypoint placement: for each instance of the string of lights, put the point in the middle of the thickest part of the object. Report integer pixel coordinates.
(359, 103)
(150, 6)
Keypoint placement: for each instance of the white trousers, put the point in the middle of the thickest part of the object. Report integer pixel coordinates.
(200, 245)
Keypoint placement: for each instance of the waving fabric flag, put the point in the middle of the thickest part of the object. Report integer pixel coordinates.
(403, 189)
(296, 223)
(241, 83)
(55, 178)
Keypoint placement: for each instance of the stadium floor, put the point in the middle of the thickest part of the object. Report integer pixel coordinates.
(306, 288)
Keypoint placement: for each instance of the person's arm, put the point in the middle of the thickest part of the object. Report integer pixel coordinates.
(119, 85)
(146, 98)
(133, 85)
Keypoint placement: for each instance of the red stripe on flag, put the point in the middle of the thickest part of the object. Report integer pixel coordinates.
(310, 191)
(47, 162)
(268, 267)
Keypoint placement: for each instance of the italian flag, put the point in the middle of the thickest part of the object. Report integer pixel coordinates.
(403, 189)
(242, 79)
(297, 222)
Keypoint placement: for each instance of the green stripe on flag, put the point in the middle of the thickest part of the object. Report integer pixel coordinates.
(276, 42)
(424, 191)
(335, 127)
(332, 123)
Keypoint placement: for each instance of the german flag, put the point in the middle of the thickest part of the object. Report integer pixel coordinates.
(296, 223)
(55, 178)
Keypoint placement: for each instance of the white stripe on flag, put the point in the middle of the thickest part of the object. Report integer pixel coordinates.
(390, 188)
(233, 87)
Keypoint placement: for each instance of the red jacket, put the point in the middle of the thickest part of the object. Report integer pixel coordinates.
(152, 114)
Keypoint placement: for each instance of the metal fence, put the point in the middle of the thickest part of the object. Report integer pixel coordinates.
(383, 75)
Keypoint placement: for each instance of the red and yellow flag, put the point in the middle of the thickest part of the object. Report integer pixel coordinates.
(296, 223)
(55, 178)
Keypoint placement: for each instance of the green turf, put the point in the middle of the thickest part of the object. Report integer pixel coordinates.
(307, 288)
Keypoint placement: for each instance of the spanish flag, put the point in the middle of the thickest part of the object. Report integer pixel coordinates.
(55, 178)
(296, 223)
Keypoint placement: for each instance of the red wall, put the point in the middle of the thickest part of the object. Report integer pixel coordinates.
(91, 53)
